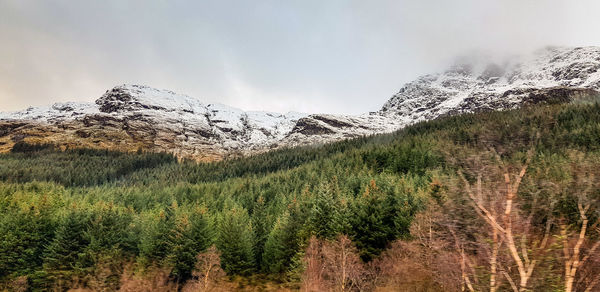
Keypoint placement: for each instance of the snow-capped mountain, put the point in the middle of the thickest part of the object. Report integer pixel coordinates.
(129, 117)
(552, 74)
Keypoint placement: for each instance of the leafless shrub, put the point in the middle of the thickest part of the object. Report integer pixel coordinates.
(410, 266)
(155, 280)
(343, 265)
(580, 237)
(19, 284)
(106, 275)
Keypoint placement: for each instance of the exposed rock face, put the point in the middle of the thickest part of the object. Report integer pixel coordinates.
(129, 117)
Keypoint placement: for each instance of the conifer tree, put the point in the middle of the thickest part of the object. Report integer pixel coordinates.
(283, 243)
(373, 222)
(23, 237)
(278, 252)
(65, 257)
(109, 230)
(154, 241)
(326, 218)
(190, 236)
(261, 230)
(235, 242)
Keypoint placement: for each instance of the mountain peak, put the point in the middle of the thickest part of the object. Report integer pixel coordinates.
(134, 97)
(475, 84)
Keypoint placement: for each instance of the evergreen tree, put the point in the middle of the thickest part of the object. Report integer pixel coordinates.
(190, 236)
(65, 258)
(154, 241)
(111, 241)
(109, 229)
(326, 218)
(373, 225)
(235, 242)
(260, 226)
(279, 246)
(285, 238)
(23, 236)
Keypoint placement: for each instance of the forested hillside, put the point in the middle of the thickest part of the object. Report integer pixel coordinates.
(496, 201)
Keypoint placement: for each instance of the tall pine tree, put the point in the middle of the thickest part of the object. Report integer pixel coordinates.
(280, 246)
(65, 258)
(260, 225)
(326, 217)
(235, 241)
(191, 235)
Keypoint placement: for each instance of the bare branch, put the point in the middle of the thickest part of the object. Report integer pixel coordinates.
(510, 280)
(491, 220)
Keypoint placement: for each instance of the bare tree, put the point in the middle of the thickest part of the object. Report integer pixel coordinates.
(344, 267)
(410, 266)
(333, 265)
(208, 271)
(493, 197)
(18, 284)
(440, 250)
(579, 246)
(314, 267)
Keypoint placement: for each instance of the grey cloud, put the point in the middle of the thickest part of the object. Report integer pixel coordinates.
(312, 56)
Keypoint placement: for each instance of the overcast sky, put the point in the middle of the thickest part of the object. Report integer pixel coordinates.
(308, 56)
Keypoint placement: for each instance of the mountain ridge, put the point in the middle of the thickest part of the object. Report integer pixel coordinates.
(131, 117)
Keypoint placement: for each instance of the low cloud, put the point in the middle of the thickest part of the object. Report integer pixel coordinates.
(312, 56)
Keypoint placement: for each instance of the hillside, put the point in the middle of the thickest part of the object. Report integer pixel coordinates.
(132, 117)
(99, 219)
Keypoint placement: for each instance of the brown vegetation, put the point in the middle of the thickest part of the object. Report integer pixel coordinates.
(333, 266)
(208, 272)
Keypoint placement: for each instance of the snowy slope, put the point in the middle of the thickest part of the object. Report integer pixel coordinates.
(133, 116)
(58, 111)
(129, 117)
(485, 85)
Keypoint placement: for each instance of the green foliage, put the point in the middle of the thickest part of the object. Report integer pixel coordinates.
(326, 218)
(414, 155)
(65, 256)
(235, 242)
(191, 235)
(75, 167)
(382, 214)
(284, 241)
(278, 250)
(154, 239)
(260, 225)
(110, 228)
(66, 214)
(23, 237)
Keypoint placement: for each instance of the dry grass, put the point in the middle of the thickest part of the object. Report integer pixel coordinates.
(74, 136)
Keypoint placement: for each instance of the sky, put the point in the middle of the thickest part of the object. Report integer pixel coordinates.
(321, 56)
